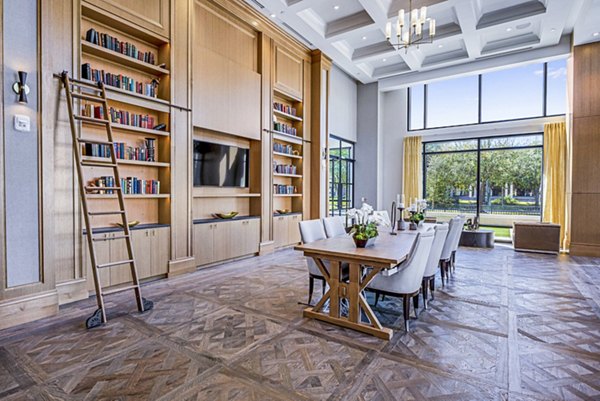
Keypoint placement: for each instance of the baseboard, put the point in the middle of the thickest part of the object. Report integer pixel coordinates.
(592, 250)
(71, 291)
(181, 266)
(536, 251)
(26, 309)
(266, 248)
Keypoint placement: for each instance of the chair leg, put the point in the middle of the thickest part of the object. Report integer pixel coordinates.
(416, 304)
(424, 288)
(442, 271)
(432, 287)
(406, 309)
(376, 298)
(311, 287)
(453, 261)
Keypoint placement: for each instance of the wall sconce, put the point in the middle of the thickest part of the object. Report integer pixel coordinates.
(21, 88)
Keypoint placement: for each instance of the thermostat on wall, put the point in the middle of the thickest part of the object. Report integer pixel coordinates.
(22, 123)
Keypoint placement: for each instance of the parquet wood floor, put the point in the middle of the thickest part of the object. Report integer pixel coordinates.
(508, 326)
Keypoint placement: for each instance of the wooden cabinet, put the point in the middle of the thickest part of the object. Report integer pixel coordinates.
(289, 71)
(217, 242)
(150, 248)
(151, 15)
(285, 230)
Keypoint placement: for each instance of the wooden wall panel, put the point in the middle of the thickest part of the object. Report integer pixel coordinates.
(289, 71)
(585, 219)
(153, 15)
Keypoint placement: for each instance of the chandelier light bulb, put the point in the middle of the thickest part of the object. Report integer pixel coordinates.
(423, 14)
(388, 30)
(414, 16)
(401, 18)
(410, 28)
(432, 27)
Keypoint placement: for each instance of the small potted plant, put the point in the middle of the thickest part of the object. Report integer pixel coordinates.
(417, 213)
(364, 230)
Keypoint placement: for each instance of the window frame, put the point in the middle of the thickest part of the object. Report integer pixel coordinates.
(479, 102)
(478, 152)
(350, 178)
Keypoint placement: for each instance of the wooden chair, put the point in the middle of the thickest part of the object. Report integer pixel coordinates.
(334, 226)
(433, 261)
(406, 281)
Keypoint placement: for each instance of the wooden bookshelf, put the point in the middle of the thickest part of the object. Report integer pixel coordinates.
(146, 208)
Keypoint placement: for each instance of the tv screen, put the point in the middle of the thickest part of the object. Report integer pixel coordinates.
(220, 165)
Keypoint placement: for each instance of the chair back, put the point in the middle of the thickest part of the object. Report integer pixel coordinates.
(311, 231)
(433, 261)
(454, 231)
(334, 226)
(456, 239)
(410, 275)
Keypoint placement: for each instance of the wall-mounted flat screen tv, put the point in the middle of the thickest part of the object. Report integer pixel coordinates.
(219, 165)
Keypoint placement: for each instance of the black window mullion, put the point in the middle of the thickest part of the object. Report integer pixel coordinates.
(545, 106)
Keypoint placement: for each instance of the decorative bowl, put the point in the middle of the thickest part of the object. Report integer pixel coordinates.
(130, 224)
(229, 215)
(282, 211)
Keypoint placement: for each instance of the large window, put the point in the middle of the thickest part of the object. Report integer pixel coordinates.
(531, 91)
(341, 176)
(498, 179)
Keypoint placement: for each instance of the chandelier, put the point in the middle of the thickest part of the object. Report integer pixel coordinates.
(413, 33)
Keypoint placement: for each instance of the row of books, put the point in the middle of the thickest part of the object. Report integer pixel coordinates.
(119, 116)
(286, 169)
(129, 186)
(146, 152)
(286, 129)
(119, 81)
(285, 108)
(281, 148)
(284, 189)
(111, 43)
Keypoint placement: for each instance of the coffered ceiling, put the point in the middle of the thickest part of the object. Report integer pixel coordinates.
(351, 32)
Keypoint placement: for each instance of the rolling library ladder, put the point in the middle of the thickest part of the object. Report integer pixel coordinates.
(96, 93)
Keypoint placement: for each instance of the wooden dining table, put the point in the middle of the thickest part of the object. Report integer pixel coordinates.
(388, 251)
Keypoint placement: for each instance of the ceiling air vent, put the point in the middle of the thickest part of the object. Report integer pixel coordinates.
(257, 4)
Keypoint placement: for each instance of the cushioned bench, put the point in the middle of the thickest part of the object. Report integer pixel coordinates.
(536, 237)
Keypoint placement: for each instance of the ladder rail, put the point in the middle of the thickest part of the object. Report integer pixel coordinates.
(99, 316)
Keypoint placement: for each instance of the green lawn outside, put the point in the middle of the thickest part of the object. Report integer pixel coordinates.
(500, 232)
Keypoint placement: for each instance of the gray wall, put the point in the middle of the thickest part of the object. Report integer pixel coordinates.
(21, 174)
(342, 105)
(366, 175)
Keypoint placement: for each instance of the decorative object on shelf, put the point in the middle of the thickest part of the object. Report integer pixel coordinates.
(282, 211)
(226, 216)
(132, 223)
(413, 33)
(364, 230)
(472, 224)
(417, 213)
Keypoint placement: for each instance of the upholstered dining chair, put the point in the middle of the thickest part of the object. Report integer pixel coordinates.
(455, 226)
(456, 241)
(406, 282)
(334, 226)
(311, 231)
(433, 261)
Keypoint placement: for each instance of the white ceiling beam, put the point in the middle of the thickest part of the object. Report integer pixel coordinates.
(467, 19)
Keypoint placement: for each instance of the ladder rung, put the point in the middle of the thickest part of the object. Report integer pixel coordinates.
(91, 98)
(97, 164)
(110, 238)
(119, 289)
(103, 189)
(110, 264)
(106, 213)
(95, 141)
(90, 84)
(91, 120)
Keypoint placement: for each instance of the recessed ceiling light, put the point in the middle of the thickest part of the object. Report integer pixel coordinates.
(508, 29)
(273, 15)
(364, 38)
(336, 7)
(596, 34)
(553, 29)
(440, 46)
(384, 60)
(254, 23)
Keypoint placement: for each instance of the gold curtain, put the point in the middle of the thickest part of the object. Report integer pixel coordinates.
(412, 183)
(555, 177)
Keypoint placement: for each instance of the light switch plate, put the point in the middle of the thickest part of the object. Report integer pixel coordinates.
(22, 123)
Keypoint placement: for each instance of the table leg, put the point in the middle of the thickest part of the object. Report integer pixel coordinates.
(334, 292)
(354, 293)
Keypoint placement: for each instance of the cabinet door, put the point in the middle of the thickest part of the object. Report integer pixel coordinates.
(203, 243)
(102, 256)
(142, 249)
(294, 229)
(161, 246)
(289, 70)
(222, 241)
(118, 251)
(280, 231)
(252, 236)
(238, 233)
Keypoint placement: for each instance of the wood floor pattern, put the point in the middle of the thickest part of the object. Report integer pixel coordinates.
(508, 326)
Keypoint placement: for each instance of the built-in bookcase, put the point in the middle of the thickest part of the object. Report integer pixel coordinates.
(116, 46)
